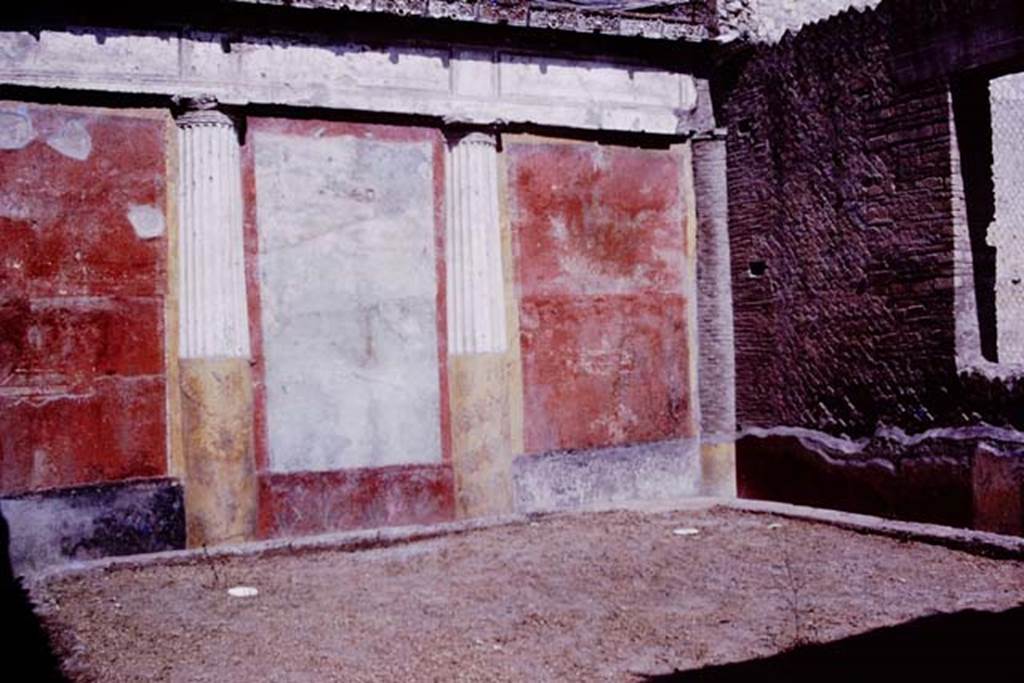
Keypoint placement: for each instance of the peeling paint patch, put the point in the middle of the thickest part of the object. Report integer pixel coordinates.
(147, 221)
(72, 140)
(16, 130)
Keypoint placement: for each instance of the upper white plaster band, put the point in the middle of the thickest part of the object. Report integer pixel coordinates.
(471, 86)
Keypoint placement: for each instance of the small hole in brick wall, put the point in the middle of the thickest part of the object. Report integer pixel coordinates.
(757, 268)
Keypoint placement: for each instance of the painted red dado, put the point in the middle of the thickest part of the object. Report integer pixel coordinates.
(316, 502)
(82, 283)
(600, 258)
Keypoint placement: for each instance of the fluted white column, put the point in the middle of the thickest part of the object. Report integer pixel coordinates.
(215, 380)
(476, 296)
(214, 317)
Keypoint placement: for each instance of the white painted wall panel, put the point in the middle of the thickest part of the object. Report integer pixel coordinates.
(348, 282)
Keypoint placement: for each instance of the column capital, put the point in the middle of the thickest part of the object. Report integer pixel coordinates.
(477, 138)
(458, 135)
(200, 110)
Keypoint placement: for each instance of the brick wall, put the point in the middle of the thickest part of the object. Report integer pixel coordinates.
(842, 215)
(840, 186)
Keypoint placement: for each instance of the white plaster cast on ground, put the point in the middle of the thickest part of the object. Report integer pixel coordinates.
(476, 293)
(348, 285)
(482, 87)
(214, 317)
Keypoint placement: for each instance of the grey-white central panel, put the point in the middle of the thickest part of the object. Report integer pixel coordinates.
(348, 282)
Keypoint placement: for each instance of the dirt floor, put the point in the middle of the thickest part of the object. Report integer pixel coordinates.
(602, 596)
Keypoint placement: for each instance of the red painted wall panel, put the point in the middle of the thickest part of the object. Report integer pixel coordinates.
(600, 269)
(82, 281)
(603, 370)
(109, 431)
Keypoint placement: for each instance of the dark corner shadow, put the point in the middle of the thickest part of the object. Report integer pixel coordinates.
(957, 646)
(26, 653)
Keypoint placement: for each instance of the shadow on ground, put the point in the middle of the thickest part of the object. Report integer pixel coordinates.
(944, 646)
(25, 650)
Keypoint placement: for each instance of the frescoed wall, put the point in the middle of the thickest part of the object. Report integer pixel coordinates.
(83, 281)
(289, 283)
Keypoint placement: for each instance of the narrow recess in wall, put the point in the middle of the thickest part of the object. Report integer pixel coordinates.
(757, 268)
(973, 116)
(989, 118)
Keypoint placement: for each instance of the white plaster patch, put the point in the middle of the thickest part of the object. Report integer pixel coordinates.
(349, 285)
(16, 47)
(14, 207)
(16, 130)
(147, 221)
(72, 140)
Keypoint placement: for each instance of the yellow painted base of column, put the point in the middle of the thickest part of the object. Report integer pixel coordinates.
(718, 469)
(482, 433)
(220, 470)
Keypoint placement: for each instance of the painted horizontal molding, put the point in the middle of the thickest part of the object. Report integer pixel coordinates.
(214, 320)
(476, 283)
(471, 86)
